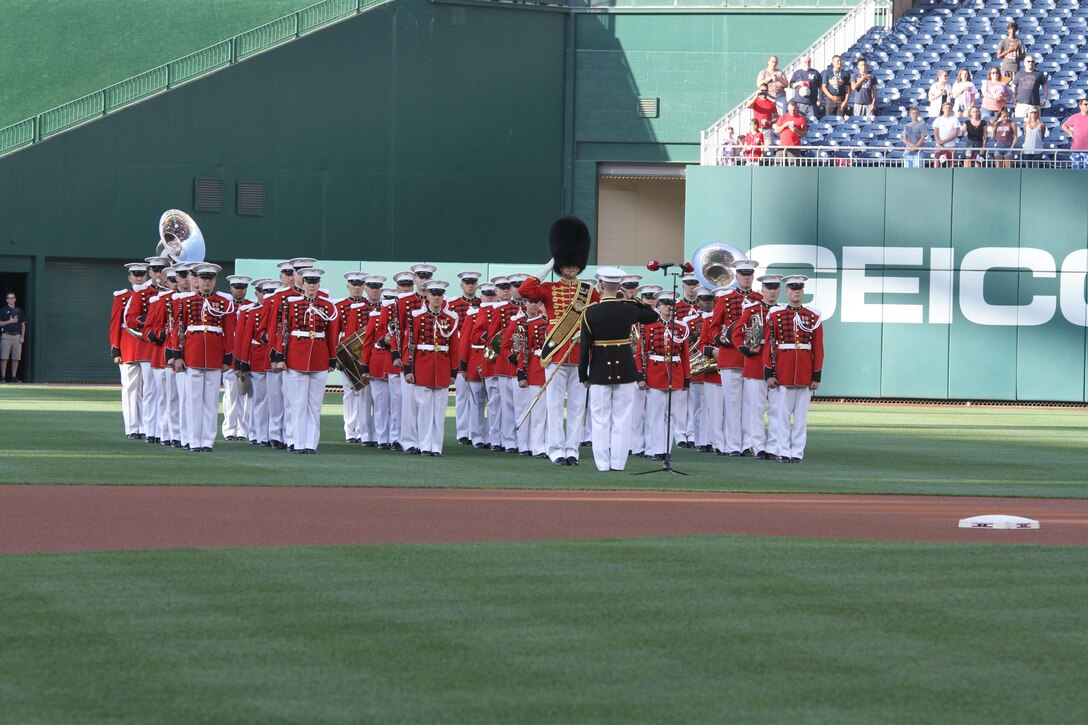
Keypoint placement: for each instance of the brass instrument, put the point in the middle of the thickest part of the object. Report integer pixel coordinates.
(753, 332)
(568, 324)
(493, 347)
(180, 237)
(701, 364)
(518, 339)
(713, 264)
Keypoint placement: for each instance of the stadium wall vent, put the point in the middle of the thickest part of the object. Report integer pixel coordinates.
(251, 196)
(207, 194)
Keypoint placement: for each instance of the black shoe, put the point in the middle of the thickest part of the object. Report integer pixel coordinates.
(164, 442)
(397, 446)
(785, 459)
(541, 456)
(795, 460)
(370, 444)
(761, 456)
(463, 441)
(705, 449)
(413, 451)
(587, 444)
(572, 461)
(734, 454)
(310, 451)
(354, 440)
(481, 446)
(659, 456)
(525, 453)
(206, 449)
(276, 444)
(186, 447)
(748, 453)
(560, 462)
(511, 450)
(496, 447)
(133, 436)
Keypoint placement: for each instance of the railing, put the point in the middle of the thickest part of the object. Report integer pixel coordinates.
(840, 37)
(163, 78)
(927, 157)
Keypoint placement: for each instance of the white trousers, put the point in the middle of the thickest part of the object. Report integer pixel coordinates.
(611, 407)
(791, 403)
(257, 410)
(638, 421)
(409, 437)
(166, 390)
(732, 402)
(181, 381)
(395, 382)
(304, 395)
(430, 408)
(506, 407)
(565, 392)
(351, 411)
(694, 420)
(379, 390)
(712, 427)
(234, 420)
(462, 407)
(365, 421)
(203, 400)
(149, 401)
(131, 393)
(657, 404)
(476, 392)
(533, 433)
(755, 436)
(276, 427)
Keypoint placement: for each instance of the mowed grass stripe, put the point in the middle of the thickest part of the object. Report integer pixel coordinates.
(650, 630)
(74, 435)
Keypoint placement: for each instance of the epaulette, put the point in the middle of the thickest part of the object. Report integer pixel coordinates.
(295, 298)
(776, 308)
(402, 295)
(471, 311)
(322, 291)
(183, 295)
(420, 311)
(225, 296)
(750, 303)
(357, 305)
(159, 296)
(375, 313)
(119, 292)
(388, 303)
(518, 316)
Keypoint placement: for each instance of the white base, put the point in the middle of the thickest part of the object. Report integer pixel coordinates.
(998, 521)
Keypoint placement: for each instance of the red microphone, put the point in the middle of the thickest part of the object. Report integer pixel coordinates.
(688, 268)
(654, 266)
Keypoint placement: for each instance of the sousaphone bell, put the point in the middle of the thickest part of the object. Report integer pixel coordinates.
(180, 237)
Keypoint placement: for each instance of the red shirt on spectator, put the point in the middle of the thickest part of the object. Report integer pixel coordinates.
(790, 136)
(764, 111)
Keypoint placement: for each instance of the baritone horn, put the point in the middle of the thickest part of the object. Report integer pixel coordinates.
(180, 237)
(713, 264)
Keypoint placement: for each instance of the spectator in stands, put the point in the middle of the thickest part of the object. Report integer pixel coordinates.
(776, 83)
(939, 92)
(995, 94)
(1011, 51)
(1034, 133)
(1003, 135)
(764, 111)
(835, 88)
(974, 134)
(728, 154)
(914, 138)
(1031, 89)
(1077, 127)
(964, 93)
(791, 127)
(946, 132)
(806, 87)
(863, 86)
(755, 143)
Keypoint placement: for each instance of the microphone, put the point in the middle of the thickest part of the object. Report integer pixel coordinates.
(655, 265)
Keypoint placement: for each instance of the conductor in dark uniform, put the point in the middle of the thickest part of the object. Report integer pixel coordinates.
(607, 368)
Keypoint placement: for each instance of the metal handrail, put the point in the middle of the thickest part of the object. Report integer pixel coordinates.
(178, 72)
(928, 157)
(836, 40)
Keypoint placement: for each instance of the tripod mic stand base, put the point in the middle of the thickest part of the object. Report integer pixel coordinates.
(666, 467)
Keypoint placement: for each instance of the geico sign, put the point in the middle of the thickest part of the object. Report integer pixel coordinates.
(859, 279)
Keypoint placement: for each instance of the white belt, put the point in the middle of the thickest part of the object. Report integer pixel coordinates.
(662, 358)
(434, 348)
(536, 352)
(202, 328)
(478, 347)
(794, 346)
(256, 343)
(307, 333)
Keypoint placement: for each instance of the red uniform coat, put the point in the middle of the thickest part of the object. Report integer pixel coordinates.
(275, 306)
(308, 334)
(461, 306)
(355, 315)
(204, 337)
(684, 308)
(793, 345)
(402, 309)
(136, 309)
(502, 316)
(665, 356)
(474, 340)
(250, 352)
(696, 321)
(557, 297)
(727, 311)
(528, 361)
(434, 357)
(159, 319)
(377, 361)
(753, 361)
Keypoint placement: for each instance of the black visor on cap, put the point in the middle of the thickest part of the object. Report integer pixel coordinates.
(503, 285)
(667, 302)
(436, 291)
(470, 280)
(206, 275)
(182, 273)
(629, 285)
(488, 293)
(238, 285)
(796, 285)
(138, 273)
(310, 280)
(424, 275)
(158, 267)
(374, 285)
(705, 297)
(355, 282)
(691, 281)
(404, 282)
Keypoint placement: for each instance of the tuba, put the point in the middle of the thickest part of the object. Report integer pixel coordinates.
(180, 237)
(713, 264)
(700, 362)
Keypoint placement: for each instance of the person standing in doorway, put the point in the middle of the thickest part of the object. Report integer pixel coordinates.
(12, 337)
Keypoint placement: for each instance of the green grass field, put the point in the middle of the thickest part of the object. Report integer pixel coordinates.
(678, 630)
(74, 435)
(54, 51)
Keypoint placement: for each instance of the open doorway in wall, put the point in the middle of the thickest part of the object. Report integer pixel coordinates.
(15, 283)
(640, 213)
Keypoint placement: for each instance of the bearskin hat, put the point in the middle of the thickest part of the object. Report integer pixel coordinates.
(568, 240)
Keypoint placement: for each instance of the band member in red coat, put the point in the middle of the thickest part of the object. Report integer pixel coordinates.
(205, 340)
(154, 331)
(667, 366)
(431, 366)
(755, 439)
(310, 328)
(473, 362)
(793, 360)
(125, 348)
(705, 397)
(378, 365)
(353, 310)
(251, 361)
(234, 403)
(727, 311)
(137, 309)
(500, 375)
(464, 402)
(522, 347)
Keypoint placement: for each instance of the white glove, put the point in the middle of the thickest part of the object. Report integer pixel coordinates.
(545, 270)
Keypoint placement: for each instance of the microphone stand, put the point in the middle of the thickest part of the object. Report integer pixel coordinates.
(666, 463)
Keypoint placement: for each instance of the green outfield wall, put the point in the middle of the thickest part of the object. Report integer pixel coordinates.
(964, 283)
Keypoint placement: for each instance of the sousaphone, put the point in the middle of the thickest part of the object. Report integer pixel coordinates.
(180, 237)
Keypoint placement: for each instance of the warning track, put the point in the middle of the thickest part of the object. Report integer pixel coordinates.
(50, 518)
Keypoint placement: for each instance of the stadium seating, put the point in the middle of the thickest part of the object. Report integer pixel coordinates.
(954, 34)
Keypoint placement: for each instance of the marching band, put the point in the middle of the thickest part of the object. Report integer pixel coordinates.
(531, 362)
